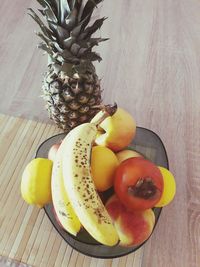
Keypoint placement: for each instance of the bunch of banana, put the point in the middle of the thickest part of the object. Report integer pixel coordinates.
(75, 197)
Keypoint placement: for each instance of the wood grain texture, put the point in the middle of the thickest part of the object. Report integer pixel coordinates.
(151, 67)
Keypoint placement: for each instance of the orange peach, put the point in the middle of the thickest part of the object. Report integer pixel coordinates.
(133, 227)
(103, 165)
(126, 154)
(117, 131)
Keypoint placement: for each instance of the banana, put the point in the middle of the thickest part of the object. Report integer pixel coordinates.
(80, 187)
(62, 206)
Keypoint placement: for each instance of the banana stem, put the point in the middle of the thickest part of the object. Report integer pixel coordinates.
(107, 110)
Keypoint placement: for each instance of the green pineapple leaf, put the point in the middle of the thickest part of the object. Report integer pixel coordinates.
(50, 4)
(95, 41)
(64, 10)
(43, 28)
(62, 33)
(91, 56)
(67, 54)
(57, 47)
(87, 12)
(53, 26)
(87, 45)
(44, 38)
(89, 7)
(71, 20)
(75, 4)
(68, 42)
(45, 47)
(49, 14)
(66, 36)
(92, 29)
(79, 28)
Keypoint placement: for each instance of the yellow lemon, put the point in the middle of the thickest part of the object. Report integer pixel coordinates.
(36, 182)
(103, 165)
(169, 189)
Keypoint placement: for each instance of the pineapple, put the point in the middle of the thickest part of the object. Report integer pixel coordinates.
(71, 87)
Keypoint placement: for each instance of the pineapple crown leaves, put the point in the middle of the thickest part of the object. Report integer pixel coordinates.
(65, 34)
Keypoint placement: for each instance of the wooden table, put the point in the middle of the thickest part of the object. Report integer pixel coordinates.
(151, 67)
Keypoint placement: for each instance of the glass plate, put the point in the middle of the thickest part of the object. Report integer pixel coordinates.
(147, 143)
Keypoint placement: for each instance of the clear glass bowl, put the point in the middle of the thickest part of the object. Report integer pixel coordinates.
(147, 143)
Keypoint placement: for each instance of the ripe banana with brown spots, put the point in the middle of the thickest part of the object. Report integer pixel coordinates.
(62, 206)
(79, 184)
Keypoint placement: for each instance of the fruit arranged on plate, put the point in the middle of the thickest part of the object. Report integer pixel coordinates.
(84, 171)
(94, 156)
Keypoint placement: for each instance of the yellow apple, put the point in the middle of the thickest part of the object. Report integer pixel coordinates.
(126, 154)
(117, 131)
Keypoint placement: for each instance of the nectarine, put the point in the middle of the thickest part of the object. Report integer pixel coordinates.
(133, 227)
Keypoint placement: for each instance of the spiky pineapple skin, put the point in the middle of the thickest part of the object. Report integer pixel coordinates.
(71, 101)
(70, 87)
